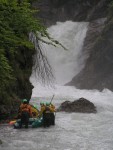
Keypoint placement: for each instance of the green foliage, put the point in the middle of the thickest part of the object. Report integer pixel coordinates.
(5, 71)
(16, 22)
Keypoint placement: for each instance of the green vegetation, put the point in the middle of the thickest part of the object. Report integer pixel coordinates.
(16, 22)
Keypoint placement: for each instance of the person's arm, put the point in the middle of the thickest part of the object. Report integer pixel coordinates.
(52, 108)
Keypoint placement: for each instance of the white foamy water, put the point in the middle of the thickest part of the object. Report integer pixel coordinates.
(66, 64)
(73, 131)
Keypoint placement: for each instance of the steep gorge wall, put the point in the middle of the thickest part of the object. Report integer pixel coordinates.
(98, 45)
(21, 87)
(98, 71)
(52, 11)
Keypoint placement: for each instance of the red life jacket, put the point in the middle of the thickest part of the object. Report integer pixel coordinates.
(25, 108)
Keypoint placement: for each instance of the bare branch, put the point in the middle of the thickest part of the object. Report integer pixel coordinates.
(41, 68)
(51, 42)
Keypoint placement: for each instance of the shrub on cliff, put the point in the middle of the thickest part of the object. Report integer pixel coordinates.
(16, 22)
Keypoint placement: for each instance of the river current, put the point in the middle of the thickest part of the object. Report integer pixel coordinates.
(72, 131)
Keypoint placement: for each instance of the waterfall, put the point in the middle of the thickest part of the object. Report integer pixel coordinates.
(65, 64)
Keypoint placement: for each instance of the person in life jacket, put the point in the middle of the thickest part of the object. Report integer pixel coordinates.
(47, 115)
(42, 108)
(53, 110)
(35, 111)
(25, 113)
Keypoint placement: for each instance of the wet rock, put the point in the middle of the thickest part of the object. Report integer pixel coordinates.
(52, 11)
(8, 112)
(81, 105)
(4, 112)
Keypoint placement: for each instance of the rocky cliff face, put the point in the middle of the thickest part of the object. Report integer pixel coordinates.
(98, 71)
(75, 10)
(21, 88)
(98, 45)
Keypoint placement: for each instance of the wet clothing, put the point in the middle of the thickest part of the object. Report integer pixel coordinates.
(35, 112)
(52, 108)
(24, 119)
(26, 108)
(52, 119)
(47, 112)
(47, 117)
(42, 110)
(25, 114)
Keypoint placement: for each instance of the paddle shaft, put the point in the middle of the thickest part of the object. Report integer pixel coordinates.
(52, 98)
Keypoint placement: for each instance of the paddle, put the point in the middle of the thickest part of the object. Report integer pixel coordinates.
(52, 98)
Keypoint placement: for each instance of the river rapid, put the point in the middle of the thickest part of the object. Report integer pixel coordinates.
(72, 131)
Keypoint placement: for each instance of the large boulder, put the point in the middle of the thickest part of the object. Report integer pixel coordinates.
(81, 105)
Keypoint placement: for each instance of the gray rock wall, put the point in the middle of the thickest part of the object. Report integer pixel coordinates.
(98, 71)
(52, 11)
(98, 45)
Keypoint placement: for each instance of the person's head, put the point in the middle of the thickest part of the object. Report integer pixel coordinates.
(47, 103)
(41, 103)
(35, 106)
(24, 101)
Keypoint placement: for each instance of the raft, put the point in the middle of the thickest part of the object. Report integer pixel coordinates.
(12, 122)
(33, 123)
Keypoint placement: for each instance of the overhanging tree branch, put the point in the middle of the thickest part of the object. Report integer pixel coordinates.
(41, 67)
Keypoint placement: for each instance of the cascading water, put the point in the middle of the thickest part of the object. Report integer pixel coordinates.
(72, 130)
(65, 64)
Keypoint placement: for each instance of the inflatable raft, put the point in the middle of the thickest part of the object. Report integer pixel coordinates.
(33, 122)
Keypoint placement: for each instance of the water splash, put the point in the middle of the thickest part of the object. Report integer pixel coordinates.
(66, 64)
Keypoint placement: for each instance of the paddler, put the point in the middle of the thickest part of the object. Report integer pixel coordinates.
(35, 111)
(25, 113)
(42, 108)
(53, 110)
(47, 115)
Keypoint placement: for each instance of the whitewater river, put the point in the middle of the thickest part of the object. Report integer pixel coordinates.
(73, 131)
